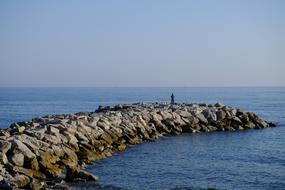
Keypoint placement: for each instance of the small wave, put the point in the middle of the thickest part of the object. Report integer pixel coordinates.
(192, 188)
(93, 186)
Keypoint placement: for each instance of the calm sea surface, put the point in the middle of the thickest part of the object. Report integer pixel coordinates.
(253, 159)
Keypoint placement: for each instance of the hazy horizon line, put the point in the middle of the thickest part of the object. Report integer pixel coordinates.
(257, 86)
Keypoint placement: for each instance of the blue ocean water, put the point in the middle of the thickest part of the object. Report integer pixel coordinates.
(253, 159)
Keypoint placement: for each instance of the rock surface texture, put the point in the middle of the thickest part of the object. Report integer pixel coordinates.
(46, 151)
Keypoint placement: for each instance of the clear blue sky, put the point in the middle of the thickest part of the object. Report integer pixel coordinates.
(142, 43)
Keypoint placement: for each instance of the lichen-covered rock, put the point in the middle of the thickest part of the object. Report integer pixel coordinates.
(29, 172)
(20, 180)
(38, 185)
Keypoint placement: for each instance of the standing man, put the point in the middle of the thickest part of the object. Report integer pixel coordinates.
(172, 99)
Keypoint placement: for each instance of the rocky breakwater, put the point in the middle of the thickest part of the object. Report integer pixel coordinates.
(40, 153)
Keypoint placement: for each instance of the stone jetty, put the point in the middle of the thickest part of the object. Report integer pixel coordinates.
(47, 151)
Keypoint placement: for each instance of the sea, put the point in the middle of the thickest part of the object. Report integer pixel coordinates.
(243, 160)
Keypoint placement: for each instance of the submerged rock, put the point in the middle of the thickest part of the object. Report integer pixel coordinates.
(58, 147)
(76, 174)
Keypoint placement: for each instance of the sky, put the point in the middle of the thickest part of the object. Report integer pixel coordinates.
(147, 43)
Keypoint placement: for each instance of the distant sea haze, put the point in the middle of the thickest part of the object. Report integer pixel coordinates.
(234, 160)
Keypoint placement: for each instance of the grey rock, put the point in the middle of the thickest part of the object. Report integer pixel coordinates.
(185, 114)
(220, 115)
(236, 121)
(22, 148)
(5, 146)
(250, 125)
(17, 159)
(261, 123)
(210, 115)
(3, 158)
(244, 118)
(219, 104)
(202, 118)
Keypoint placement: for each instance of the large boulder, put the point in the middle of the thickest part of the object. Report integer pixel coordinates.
(33, 143)
(219, 105)
(104, 124)
(70, 157)
(72, 140)
(202, 118)
(17, 159)
(49, 161)
(177, 120)
(184, 114)
(22, 148)
(244, 118)
(261, 123)
(165, 114)
(175, 129)
(143, 122)
(249, 125)
(210, 115)
(5, 146)
(235, 121)
(221, 114)
(3, 158)
(196, 110)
